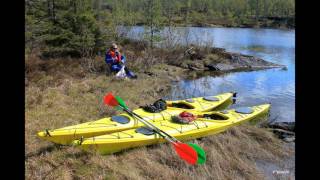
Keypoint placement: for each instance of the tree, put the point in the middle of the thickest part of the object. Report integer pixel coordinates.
(187, 10)
(63, 27)
(154, 21)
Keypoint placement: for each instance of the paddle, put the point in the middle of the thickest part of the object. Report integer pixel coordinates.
(200, 152)
(189, 153)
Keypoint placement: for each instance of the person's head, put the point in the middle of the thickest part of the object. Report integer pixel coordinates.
(114, 47)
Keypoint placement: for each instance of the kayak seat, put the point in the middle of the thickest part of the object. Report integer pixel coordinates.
(120, 119)
(215, 116)
(145, 131)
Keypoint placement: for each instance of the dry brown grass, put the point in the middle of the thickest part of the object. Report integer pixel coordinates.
(61, 93)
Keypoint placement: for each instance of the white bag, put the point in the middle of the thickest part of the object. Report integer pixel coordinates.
(121, 73)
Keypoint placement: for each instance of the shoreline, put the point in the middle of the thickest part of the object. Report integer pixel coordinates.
(262, 23)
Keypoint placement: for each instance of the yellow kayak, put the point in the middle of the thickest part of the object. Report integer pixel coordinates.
(123, 121)
(206, 124)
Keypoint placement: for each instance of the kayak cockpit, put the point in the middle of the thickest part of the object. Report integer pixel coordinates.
(181, 105)
(215, 116)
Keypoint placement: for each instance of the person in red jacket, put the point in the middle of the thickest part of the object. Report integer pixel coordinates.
(116, 61)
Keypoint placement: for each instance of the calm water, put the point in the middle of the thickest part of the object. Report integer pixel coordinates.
(274, 85)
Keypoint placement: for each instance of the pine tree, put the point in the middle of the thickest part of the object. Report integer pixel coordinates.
(63, 28)
(154, 21)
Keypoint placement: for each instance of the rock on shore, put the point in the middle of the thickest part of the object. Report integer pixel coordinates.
(217, 59)
(284, 130)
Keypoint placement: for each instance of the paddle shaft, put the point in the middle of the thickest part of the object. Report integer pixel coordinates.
(183, 151)
(157, 130)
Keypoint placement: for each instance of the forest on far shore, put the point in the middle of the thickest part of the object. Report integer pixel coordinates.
(82, 28)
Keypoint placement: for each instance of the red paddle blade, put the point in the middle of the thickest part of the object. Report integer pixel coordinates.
(186, 152)
(110, 100)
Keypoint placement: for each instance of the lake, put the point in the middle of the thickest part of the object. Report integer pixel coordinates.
(275, 86)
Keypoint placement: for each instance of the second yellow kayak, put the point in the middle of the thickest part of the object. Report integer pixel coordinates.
(210, 123)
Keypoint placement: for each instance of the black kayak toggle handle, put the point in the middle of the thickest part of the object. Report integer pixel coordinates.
(234, 94)
(47, 132)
